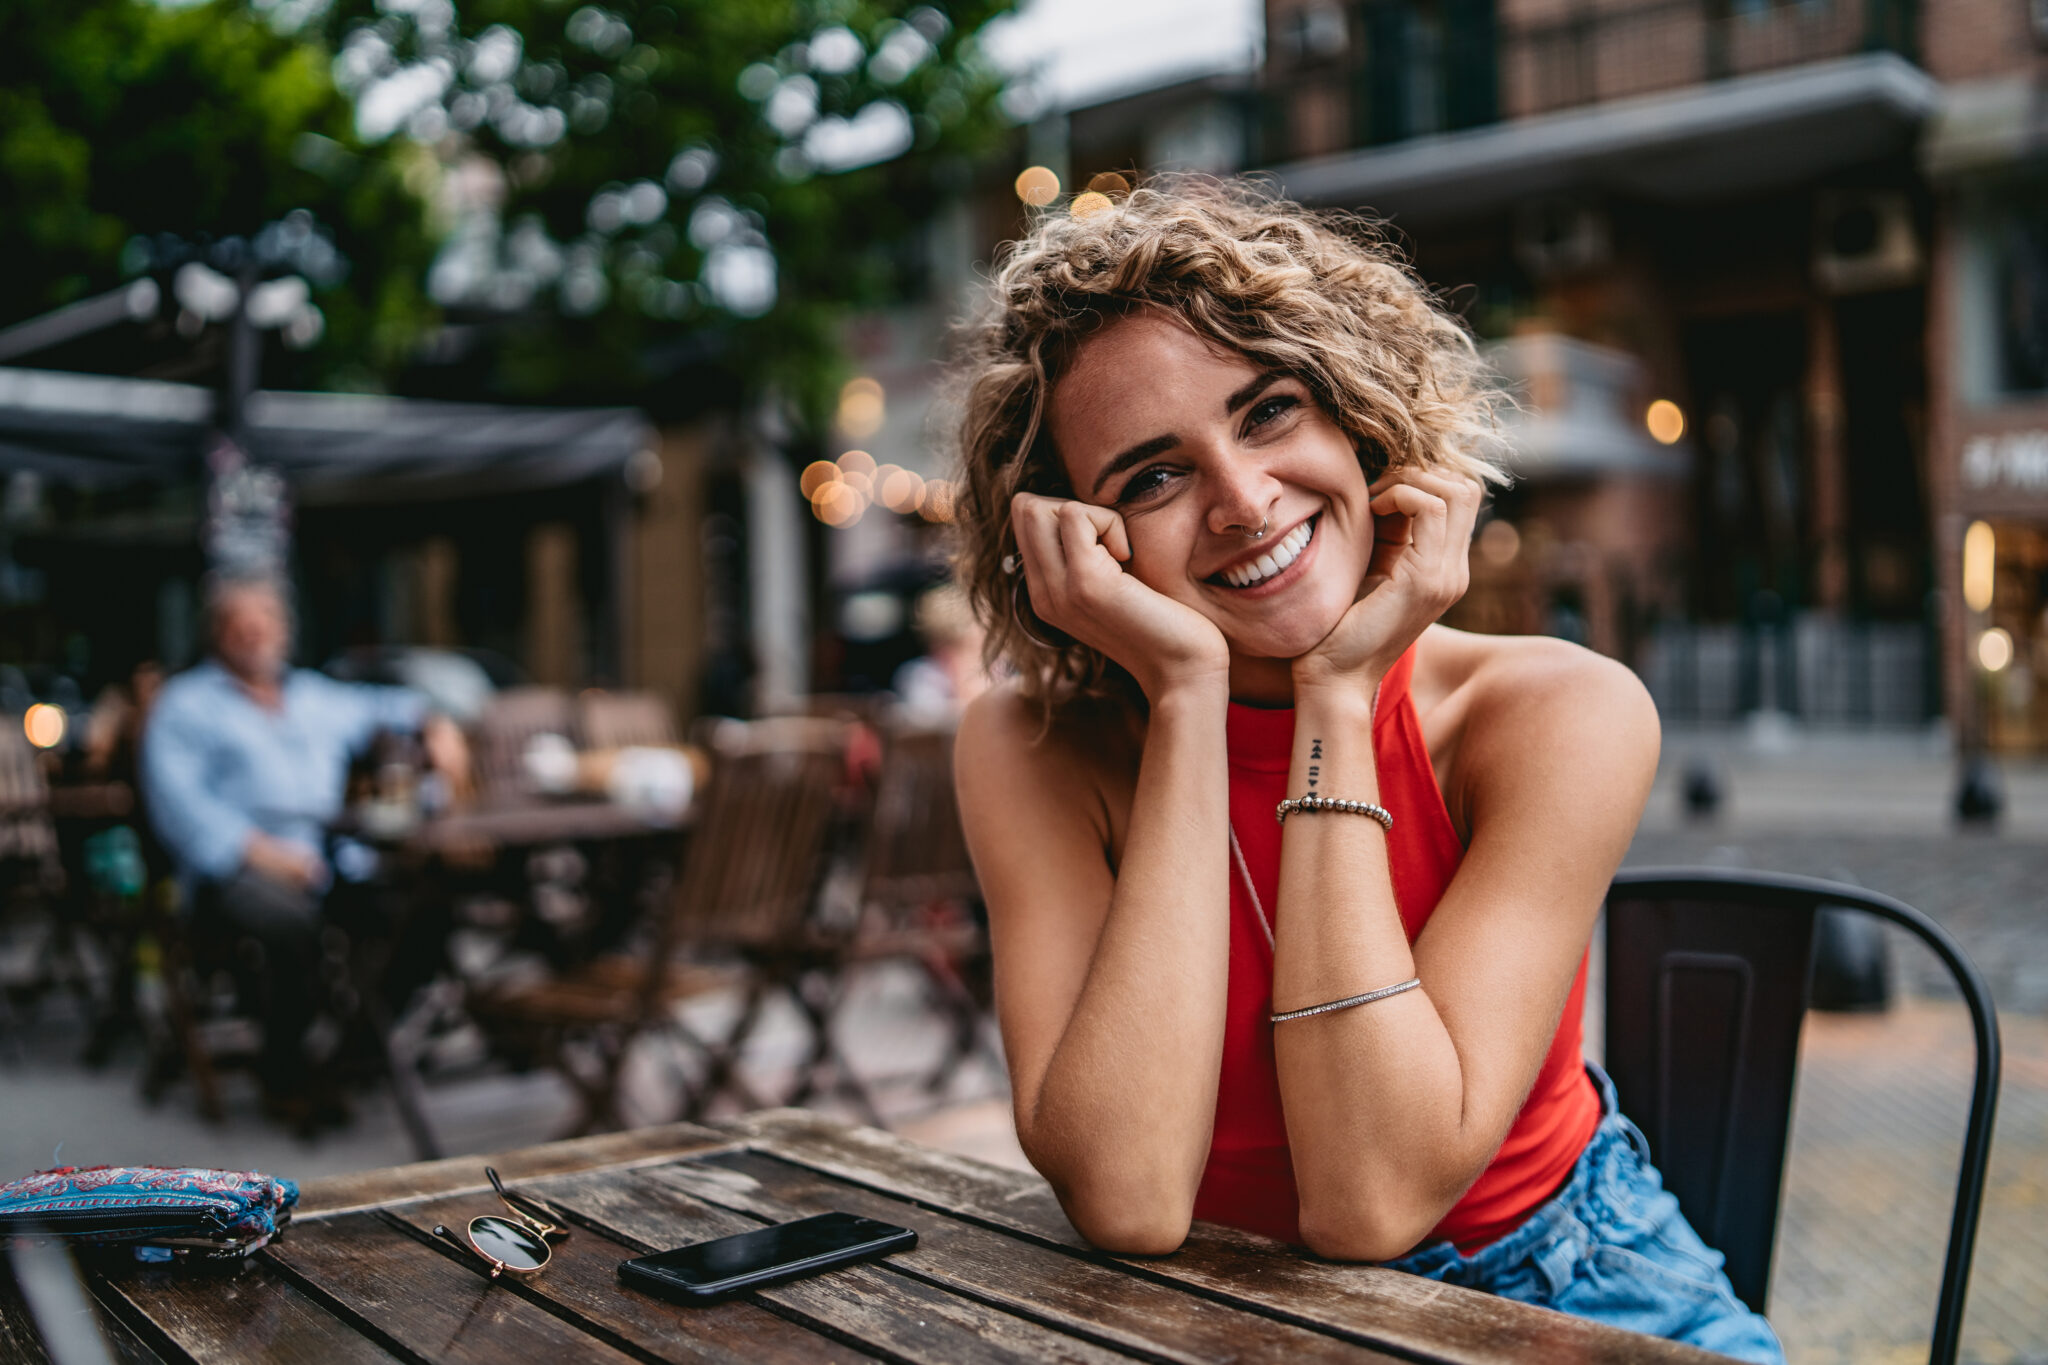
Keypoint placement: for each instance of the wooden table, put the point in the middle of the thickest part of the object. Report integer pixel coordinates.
(997, 1274)
(518, 823)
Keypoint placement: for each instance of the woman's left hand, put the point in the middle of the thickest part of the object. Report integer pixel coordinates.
(1422, 532)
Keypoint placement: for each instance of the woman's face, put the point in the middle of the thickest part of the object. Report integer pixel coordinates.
(1196, 447)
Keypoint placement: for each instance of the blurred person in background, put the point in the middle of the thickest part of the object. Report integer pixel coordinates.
(245, 764)
(1290, 887)
(950, 673)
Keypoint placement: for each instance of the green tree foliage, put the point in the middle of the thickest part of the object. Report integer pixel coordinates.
(121, 118)
(637, 190)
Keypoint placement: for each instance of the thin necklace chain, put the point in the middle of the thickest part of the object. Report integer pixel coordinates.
(1244, 870)
(1259, 910)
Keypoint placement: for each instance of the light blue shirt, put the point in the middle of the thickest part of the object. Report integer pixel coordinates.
(216, 765)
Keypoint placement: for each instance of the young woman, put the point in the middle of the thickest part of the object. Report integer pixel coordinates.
(1222, 461)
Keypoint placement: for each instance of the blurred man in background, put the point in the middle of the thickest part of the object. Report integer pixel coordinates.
(244, 769)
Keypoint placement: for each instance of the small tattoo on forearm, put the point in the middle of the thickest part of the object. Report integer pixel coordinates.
(1315, 759)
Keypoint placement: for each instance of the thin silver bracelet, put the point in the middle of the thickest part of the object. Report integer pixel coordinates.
(1348, 1002)
(1316, 803)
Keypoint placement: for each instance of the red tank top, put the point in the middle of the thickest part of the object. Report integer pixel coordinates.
(1249, 1179)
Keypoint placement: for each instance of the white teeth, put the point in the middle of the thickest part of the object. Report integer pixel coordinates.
(1273, 561)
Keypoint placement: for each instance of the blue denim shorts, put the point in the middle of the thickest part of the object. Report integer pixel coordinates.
(1612, 1246)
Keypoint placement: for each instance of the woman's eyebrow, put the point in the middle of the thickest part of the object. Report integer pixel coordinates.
(1252, 390)
(1137, 454)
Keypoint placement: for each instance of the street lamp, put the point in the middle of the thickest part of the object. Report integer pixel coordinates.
(255, 284)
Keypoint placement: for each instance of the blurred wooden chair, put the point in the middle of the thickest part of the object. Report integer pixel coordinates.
(509, 723)
(920, 900)
(756, 857)
(36, 950)
(190, 1024)
(619, 720)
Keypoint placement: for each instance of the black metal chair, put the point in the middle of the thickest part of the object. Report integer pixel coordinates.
(1707, 978)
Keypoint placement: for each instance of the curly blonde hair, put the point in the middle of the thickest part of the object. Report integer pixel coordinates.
(1321, 296)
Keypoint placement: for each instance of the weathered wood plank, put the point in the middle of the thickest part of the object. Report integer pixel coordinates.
(255, 1313)
(1103, 1303)
(875, 1309)
(124, 1341)
(425, 1179)
(21, 1340)
(390, 1285)
(582, 1280)
(1383, 1308)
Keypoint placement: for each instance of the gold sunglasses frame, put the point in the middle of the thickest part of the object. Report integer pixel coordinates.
(543, 1220)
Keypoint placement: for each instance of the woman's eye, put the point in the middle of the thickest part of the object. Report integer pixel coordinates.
(1144, 483)
(1269, 409)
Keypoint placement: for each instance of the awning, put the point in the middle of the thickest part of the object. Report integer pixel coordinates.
(1989, 125)
(1574, 417)
(1741, 135)
(93, 430)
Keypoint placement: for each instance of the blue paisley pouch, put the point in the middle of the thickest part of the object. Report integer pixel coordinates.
(165, 1212)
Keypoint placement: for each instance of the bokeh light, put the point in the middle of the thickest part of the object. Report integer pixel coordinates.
(1994, 649)
(44, 725)
(1038, 186)
(1980, 565)
(816, 475)
(838, 505)
(861, 408)
(857, 462)
(1109, 183)
(1089, 204)
(1499, 542)
(902, 491)
(1665, 421)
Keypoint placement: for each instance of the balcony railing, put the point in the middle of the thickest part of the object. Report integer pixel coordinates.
(1411, 67)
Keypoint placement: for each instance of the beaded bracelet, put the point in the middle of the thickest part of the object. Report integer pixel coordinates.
(1320, 803)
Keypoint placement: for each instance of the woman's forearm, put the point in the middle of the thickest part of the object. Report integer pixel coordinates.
(1123, 1116)
(1373, 1094)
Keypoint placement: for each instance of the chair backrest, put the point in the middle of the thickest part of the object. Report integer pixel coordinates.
(915, 851)
(512, 718)
(617, 720)
(27, 836)
(759, 843)
(1707, 972)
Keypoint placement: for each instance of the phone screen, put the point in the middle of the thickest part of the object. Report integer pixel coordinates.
(749, 1253)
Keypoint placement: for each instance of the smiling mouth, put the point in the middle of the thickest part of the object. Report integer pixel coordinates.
(1272, 562)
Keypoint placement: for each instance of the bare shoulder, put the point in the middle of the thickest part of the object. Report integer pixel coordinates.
(1517, 707)
(1005, 737)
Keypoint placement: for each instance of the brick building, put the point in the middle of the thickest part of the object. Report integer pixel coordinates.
(1773, 280)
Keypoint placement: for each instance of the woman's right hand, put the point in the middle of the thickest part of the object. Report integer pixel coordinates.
(1073, 554)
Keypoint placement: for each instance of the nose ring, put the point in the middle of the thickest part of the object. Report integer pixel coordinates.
(1260, 534)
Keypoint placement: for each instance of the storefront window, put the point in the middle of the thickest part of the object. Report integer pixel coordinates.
(2008, 642)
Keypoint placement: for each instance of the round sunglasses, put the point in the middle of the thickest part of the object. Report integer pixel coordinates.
(519, 1244)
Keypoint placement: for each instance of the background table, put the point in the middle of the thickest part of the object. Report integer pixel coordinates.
(997, 1274)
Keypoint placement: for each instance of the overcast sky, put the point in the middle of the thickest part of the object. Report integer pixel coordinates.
(1089, 50)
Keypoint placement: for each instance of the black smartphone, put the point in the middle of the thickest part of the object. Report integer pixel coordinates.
(706, 1272)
